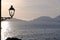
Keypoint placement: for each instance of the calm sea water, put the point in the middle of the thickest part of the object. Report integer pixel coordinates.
(11, 30)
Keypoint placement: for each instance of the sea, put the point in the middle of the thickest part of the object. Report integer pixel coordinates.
(24, 33)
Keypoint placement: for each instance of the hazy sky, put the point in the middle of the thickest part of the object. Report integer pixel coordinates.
(30, 9)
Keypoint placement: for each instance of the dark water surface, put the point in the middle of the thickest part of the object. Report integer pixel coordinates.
(13, 30)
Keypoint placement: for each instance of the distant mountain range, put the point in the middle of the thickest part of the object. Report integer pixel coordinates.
(41, 22)
(46, 22)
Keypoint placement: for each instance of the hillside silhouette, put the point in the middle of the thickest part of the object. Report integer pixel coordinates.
(41, 22)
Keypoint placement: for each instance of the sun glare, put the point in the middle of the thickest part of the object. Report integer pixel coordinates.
(4, 25)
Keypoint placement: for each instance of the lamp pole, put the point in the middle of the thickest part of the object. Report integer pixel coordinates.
(0, 19)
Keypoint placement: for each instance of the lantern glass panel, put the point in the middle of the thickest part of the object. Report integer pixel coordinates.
(11, 12)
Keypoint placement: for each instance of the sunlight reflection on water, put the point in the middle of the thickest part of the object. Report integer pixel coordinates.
(4, 26)
(14, 29)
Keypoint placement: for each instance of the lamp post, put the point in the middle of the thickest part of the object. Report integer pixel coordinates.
(11, 13)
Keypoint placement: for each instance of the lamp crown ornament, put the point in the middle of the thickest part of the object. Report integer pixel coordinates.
(11, 8)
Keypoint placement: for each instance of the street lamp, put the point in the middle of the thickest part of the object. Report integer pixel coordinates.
(11, 11)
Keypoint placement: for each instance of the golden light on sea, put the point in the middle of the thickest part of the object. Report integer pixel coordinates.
(4, 26)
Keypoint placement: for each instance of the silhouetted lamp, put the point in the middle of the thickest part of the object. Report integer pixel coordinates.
(11, 11)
